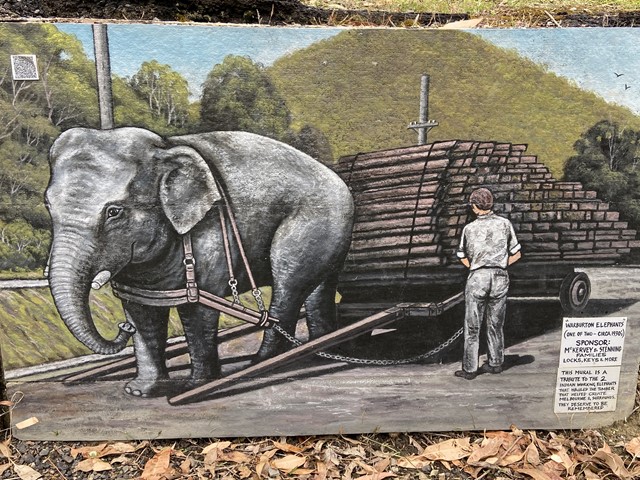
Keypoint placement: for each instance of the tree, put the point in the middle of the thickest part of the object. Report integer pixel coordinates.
(314, 143)
(165, 90)
(607, 161)
(239, 95)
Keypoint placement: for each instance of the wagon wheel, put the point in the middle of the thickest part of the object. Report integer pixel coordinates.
(575, 292)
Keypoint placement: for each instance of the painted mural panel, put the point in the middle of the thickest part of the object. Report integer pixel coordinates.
(236, 231)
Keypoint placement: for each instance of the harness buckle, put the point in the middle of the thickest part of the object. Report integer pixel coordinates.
(189, 262)
(193, 294)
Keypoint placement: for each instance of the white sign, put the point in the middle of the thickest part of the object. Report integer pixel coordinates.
(590, 359)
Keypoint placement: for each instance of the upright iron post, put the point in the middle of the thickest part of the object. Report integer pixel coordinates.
(424, 108)
(423, 125)
(103, 73)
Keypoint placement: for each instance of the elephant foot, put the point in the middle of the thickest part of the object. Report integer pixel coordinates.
(147, 388)
(273, 344)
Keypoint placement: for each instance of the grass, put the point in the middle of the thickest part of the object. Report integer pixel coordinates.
(477, 7)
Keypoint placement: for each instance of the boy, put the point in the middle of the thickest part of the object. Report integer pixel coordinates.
(487, 247)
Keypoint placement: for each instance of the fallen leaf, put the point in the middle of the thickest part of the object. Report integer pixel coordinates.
(510, 459)
(118, 449)
(531, 455)
(263, 461)
(533, 473)
(92, 451)
(29, 422)
(243, 472)
(93, 465)
(590, 474)
(489, 448)
(613, 461)
(553, 469)
(185, 467)
(382, 465)
(7, 403)
(235, 456)
(212, 456)
(158, 466)
(5, 451)
(562, 457)
(288, 462)
(633, 446)
(452, 449)
(285, 447)
(416, 462)
(377, 476)
(4, 468)
(25, 472)
(354, 452)
(216, 446)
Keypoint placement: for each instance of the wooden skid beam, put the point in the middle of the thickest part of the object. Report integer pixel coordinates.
(172, 351)
(293, 355)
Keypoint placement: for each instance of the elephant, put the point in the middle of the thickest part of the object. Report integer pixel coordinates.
(120, 202)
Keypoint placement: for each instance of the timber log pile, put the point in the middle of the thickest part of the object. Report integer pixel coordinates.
(411, 207)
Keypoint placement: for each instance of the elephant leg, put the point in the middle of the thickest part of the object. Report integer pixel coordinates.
(201, 331)
(286, 309)
(320, 308)
(149, 342)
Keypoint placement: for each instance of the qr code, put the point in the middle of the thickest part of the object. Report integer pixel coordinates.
(24, 67)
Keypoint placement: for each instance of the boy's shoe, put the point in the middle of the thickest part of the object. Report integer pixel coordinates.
(465, 375)
(486, 368)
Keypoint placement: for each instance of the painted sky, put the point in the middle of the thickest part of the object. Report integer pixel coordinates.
(193, 51)
(589, 57)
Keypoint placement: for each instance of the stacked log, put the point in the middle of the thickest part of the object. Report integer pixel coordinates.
(412, 204)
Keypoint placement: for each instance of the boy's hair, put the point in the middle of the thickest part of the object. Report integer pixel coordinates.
(482, 198)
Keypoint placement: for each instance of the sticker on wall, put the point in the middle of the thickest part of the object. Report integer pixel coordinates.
(237, 231)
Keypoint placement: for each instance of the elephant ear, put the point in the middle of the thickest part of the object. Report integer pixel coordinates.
(188, 189)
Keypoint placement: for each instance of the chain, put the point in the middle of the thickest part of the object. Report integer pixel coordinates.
(257, 294)
(233, 283)
(371, 361)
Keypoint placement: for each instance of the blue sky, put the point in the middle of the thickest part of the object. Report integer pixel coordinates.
(587, 56)
(193, 51)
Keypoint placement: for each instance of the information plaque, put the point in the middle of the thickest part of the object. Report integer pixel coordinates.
(590, 360)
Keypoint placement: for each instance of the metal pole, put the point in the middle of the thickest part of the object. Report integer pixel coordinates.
(103, 73)
(424, 109)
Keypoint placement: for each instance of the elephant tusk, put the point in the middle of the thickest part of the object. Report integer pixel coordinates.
(100, 279)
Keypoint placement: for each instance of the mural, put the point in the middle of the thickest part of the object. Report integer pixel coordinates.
(258, 231)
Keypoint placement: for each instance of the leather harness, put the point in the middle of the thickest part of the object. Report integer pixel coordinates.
(193, 294)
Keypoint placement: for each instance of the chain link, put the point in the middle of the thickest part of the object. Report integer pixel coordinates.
(233, 283)
(372, 361)
(257, 294)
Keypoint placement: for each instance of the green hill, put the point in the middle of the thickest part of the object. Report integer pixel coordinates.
(361, 88)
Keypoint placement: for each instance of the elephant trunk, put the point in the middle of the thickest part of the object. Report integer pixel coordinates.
(70, 278)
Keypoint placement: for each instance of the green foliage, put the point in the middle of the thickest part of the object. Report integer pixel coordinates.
(239, 95)
(361, 88)
(34, 113)
(607, 160)
(165, 91)
(313, 142)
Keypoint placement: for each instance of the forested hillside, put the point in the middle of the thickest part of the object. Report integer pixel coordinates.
(33, 113)
(361, 89)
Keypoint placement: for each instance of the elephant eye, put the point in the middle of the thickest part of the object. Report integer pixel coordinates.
(113, 212)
